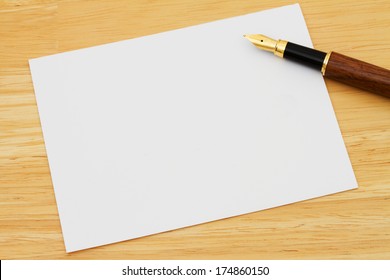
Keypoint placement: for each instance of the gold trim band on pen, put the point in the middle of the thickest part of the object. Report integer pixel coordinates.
(325, 63)
(280, 48)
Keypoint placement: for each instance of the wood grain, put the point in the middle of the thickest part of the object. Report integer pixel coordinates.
(358, 73)
(349, 225)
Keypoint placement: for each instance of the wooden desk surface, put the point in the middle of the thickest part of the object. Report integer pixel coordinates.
(349, 225)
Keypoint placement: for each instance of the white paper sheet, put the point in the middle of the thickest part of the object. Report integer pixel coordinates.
(185, 127)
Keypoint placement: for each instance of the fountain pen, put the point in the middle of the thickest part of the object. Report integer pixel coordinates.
(332, 65)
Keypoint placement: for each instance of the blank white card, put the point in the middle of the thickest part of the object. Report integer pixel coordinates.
(185, 127)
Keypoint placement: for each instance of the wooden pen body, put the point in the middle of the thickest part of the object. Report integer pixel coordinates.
(358, 74)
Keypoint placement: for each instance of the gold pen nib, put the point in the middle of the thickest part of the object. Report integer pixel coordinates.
(262, 42)
(267, 44)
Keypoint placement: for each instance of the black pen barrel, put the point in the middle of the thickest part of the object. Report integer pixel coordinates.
(304, 55)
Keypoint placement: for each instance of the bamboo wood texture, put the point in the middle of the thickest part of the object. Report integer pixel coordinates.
(358, 73)
(348, 225)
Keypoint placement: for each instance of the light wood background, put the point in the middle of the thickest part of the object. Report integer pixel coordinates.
(349, 225)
